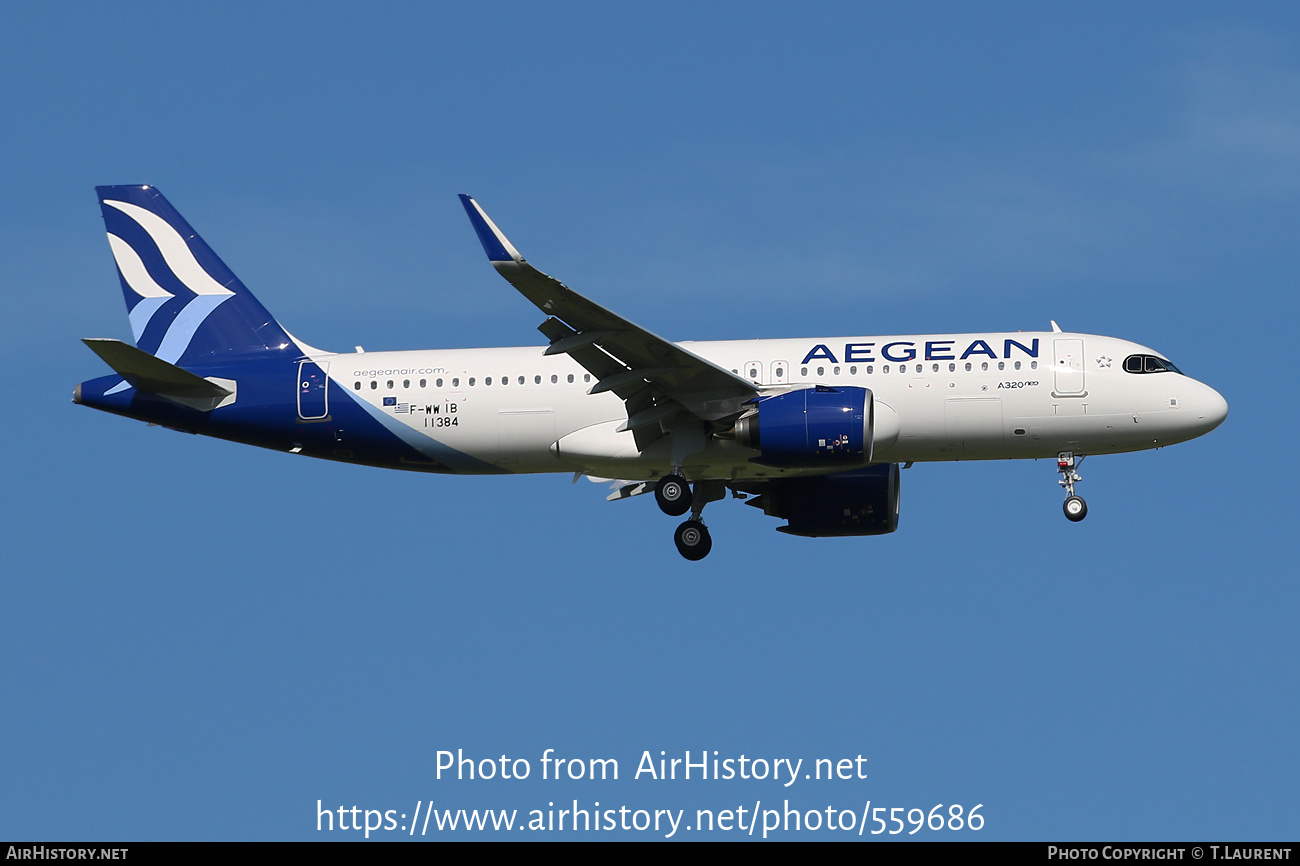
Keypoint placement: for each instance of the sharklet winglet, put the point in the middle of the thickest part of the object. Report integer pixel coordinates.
(495, 244)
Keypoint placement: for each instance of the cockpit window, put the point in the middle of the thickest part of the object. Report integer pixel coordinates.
(1148, 364)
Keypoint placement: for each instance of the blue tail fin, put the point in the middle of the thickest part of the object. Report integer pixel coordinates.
(186, 307)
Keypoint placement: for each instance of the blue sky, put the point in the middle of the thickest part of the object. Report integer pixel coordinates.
(204, 639)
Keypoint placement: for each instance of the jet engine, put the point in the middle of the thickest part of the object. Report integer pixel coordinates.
(860, 502)
(819, 426)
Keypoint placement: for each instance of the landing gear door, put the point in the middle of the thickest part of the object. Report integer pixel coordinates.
(1069, 367)
(313, 390)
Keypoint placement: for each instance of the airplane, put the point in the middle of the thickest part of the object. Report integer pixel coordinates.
(810, 431)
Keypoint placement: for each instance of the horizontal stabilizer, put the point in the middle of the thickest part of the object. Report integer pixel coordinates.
(144, 372)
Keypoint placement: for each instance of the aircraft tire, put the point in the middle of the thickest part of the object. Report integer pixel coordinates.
(673, 495)
(1075, 508)
(693, 541)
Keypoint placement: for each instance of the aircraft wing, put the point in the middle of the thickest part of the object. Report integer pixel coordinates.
(656, 378)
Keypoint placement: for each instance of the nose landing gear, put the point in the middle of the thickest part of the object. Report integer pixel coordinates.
(1075, 508)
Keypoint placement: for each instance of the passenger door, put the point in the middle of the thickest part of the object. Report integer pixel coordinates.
(1069, 367)
(313, 391)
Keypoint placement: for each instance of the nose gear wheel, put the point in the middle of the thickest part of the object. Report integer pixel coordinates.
(1075, 508)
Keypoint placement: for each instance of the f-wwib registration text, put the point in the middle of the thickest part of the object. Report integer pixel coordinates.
(703, 764)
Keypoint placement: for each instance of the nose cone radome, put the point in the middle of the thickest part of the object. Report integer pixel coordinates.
(1210, 408)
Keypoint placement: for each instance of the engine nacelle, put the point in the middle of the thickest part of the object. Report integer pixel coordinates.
(861, 502)
(818, 426)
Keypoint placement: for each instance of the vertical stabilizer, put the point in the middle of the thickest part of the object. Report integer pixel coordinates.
(186, 307)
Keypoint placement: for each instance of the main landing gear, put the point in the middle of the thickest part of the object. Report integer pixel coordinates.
(676, 497)
(692, 539)
(673, 495)
(1075, 508)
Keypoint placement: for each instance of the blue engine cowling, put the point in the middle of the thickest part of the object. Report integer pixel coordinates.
(861, 502)
(818, 426)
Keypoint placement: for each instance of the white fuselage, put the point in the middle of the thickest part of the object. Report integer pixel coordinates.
(938, 397)
(812, 432)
